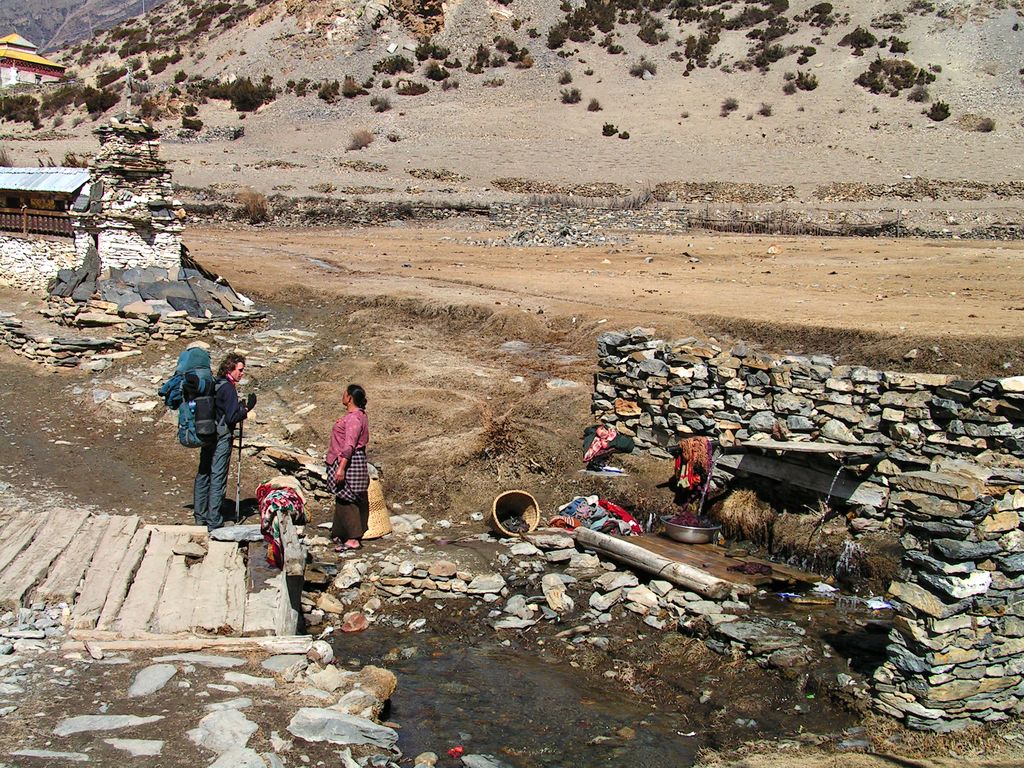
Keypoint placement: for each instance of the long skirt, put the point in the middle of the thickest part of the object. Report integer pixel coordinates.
(351, 518)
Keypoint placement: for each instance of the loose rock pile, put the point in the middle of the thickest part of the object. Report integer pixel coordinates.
(955, 657)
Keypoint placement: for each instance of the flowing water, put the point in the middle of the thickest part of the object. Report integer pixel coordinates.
(528, 710)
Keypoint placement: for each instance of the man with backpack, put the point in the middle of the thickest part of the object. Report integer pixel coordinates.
(215, 454)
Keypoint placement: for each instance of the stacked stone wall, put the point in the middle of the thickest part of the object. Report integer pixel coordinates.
(30, 262)
(658, 392)
(949, 486)
(956, 656)
(517, 216)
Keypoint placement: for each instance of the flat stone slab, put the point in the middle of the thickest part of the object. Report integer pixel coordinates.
(239, 758)
(73, 757)
(151, 679)
(223, 731)
(237, 533)
(316, 724)
(137, 747)
(483, 761)
(242, 679)
(204, 660)
(281, 662)
(239, 703)
(85, 723)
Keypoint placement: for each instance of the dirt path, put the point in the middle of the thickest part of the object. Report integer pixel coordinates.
(868, 301)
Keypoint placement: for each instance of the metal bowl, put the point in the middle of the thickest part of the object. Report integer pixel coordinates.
(689, 534)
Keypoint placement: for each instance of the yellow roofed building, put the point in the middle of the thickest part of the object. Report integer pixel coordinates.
(19, 63)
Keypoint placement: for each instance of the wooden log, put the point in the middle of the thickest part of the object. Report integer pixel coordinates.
(841, 485)
(65, 577)
(34, 561)
(693, 579)
(140, 603)
(112, 549)
(111, 641)
(178, 602)
(18, 534)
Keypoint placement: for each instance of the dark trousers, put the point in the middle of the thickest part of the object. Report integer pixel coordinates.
(351, 518)
(212, 481)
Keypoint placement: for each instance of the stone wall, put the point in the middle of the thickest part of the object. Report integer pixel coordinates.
(126, 247)
(31, 262)
(945, 476)
(518, 216)
(661, 391)
(955, 654)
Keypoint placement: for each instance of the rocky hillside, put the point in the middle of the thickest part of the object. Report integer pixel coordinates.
(624, 91)
(54, 24)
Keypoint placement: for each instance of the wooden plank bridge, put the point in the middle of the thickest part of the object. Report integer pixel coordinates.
(122, 579)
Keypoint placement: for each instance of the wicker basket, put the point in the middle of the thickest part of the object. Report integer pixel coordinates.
(380, 522)
(514, 504)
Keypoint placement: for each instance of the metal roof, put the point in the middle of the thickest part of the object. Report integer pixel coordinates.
(28, 57)
(60, 180)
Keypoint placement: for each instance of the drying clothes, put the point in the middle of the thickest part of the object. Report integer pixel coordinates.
(693, 472)
(601, 441)
(597, 515)
(276, 504)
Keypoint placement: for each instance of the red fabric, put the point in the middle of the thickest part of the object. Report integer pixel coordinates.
(614, 509)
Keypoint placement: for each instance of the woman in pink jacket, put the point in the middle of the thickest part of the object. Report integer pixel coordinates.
(348, 475)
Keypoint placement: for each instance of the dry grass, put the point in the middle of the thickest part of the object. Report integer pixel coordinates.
(743, 514)
(255, 207)
(360, 139)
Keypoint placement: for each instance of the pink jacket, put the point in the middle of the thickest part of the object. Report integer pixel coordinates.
(350, 432)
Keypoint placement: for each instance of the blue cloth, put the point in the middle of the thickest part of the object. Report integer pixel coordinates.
(212, 480)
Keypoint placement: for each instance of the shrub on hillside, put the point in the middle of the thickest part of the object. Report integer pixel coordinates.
(243, 93)
(608, 129)
(729, 106)
(350, 88)
(571, 96)
(639, 68)
(22, 108)
(594, 106)
(436, 72)
(427, 49)
(392, 65)
(806, 81)
(329, 92)
(360, 139)
(410, 88)
(765, 110)
(191, 123)
(939, 111)
(565, 77)
(380, 103)
(859, 39)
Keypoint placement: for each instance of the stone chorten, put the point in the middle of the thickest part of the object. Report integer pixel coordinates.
(128, 217)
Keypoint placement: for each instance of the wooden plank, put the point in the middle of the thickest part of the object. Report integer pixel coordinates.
(65, 577)
(812, 447)
(110, 641)
(34, 561)
(18, 534)
(174, 613)
(221, 596)
(139, 604)
(714, 560)
(843, 486)
(688, 576)
(112, 549)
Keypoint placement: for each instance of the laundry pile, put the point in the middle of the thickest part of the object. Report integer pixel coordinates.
(597, 515)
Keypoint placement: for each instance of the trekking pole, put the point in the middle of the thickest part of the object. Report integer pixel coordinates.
(238, 482)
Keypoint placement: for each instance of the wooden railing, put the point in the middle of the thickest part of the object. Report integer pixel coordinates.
(27, 221)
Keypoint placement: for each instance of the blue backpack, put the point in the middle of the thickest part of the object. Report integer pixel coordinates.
(191, 391)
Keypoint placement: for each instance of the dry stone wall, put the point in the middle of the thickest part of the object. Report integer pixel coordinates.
(950, 485)
(955, 657)
(30, 263)
(659, 391)
(518, 216)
